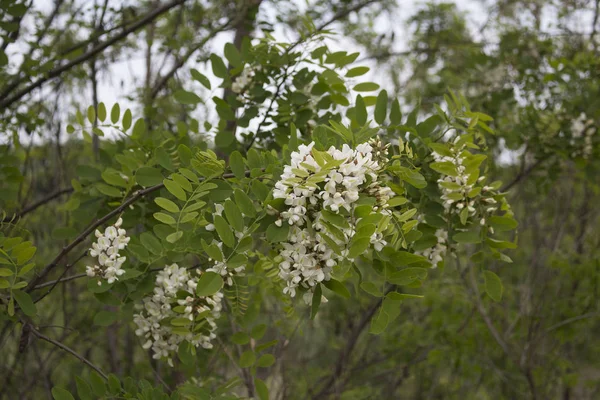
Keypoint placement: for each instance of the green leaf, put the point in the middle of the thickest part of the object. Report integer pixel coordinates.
(167, 204)
(6, 272)
(493, 285)
(218, 67)
(247, 359)
(261, 389)
(91, 114)
(107, 190)
(407, 276)
(360, 110)
(236, 163)
(98, 385)
(105, 318)
(240, 338)
(467, 237)
(265, 361)
(316, 301)
(25, 302)
(139, 128)
(379, 323)
(366, 87)
(359, 246)
(233, 55)
(503, 224)
(114, 178)
(371, 288)
(357, 71)
(186, 353)
(234, 216)
(258, 331)
(337, 287)
(165, 218)
(148, 176)
(209, 284)
(174, 188)
(150, 242)
(224, 231)
(115, 113)
(126, 119)
(101, 112)
(61, 394)
(197, 76)
(276, 234)
(174, 237)
(245, 203)
(84, 390)
(381, 107)
(185, 97)
(395, 113)
(444, 167)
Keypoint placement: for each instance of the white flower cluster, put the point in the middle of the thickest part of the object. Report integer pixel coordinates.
(243, 80)
(107, 249)
(436, 253)
(174, 298)
(317, 182)
(457, 190)
(582, 127)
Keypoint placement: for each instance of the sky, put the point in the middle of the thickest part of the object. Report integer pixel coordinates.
(117, 83)
(120, 80)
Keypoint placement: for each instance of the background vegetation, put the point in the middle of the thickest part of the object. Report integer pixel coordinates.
(533, 66)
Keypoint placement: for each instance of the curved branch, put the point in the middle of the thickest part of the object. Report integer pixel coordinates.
(68, 350)
(34, 206)
(67, 249)
(7, 101)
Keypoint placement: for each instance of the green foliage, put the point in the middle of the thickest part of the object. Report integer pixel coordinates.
(192, 174)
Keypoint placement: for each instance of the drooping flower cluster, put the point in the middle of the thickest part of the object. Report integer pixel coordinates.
(106, 249)
(462, 192)
(321, 191)
(243, 80)
(174, 313)
(583, 127)
(436, 253)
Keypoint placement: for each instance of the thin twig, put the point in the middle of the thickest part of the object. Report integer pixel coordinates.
(70, 351)
(7, 101)
(34, 206)
(83, 235)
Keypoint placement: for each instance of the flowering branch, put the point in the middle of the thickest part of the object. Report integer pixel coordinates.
(67, 249)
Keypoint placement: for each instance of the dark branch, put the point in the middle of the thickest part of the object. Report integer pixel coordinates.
(67, 249)
(68, 350)
(7, 101)
(34, 206)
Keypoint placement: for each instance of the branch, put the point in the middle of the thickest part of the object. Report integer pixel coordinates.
(82, 236)
(181, 62)
(60, 279)
(138, 195)
(523, 174)
(68, 350)
(34, 206)
(351, 342)
(6, 101)
(344, 13)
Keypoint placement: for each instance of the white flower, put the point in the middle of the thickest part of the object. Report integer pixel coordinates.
(166, 302)
(307, 256)
(436, 253)
(106, 249)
